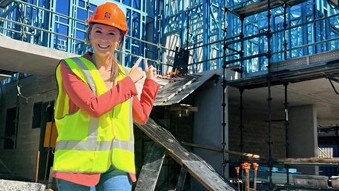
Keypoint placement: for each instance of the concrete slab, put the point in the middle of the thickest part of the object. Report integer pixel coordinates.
(12, 185)
(23, 57)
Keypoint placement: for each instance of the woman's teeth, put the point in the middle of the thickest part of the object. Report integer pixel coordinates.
(103, 46)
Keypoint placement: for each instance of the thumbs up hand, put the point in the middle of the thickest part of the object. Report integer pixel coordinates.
(136, 72)
(151, 72)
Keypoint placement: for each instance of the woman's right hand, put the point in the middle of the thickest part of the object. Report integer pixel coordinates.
(151, 72)
(136, 72)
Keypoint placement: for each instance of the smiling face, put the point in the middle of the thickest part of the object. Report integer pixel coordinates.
(104, 39)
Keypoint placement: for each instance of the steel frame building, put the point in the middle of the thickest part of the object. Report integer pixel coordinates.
(205, 28)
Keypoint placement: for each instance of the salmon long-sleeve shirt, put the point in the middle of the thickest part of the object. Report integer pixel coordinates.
(82, 97)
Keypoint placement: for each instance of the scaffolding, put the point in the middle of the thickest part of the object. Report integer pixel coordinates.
(297, 28)
(279, 67)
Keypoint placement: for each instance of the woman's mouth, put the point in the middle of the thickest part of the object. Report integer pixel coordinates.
(103, 46)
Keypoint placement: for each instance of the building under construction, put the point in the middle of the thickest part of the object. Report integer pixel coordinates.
(249, 96)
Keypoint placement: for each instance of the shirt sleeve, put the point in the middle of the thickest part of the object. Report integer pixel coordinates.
(82, 96)
(143, 107)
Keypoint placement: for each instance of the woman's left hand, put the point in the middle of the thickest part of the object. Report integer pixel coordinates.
(151, 72)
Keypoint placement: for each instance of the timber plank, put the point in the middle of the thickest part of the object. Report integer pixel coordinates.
(151, 169)
(181, 180)
(196, 166)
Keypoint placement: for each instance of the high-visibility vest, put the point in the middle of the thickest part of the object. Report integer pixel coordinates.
(91, 145)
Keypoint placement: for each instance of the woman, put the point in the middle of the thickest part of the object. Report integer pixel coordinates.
(96, 105)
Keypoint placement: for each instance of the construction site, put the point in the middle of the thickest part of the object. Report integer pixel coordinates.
(248, 99)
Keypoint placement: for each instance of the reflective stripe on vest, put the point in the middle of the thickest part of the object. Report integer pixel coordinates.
(87, 73)
(93, 146)
(92, 143)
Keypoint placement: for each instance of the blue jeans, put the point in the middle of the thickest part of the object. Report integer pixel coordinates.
(112, 180)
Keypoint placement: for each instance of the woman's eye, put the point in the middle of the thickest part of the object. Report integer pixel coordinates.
(98, 32)
(112, 33)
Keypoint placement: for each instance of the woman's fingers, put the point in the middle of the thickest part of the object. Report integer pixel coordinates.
(137, 63)
(146, 64)
(151, 72)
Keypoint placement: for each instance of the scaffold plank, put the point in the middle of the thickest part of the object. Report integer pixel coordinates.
(311, 67)
(151, 169)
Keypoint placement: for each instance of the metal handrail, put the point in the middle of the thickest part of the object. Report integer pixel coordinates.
(158, 46)
(37, 28)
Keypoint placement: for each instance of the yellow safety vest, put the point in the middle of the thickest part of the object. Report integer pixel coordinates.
(91, 145)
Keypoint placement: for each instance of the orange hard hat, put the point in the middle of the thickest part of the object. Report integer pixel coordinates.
(110, 14)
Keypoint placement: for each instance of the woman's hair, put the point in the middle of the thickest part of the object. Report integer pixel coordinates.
(88, 33)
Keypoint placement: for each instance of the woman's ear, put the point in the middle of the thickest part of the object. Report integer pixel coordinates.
(118, 45)
(119, 42)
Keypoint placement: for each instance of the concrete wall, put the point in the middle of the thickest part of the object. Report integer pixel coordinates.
(255, 129)
(302, 133)
(208, 122)
(22, 160)
(208, 130)
(302, 129)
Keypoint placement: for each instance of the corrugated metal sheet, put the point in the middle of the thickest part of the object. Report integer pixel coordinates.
(179, 88)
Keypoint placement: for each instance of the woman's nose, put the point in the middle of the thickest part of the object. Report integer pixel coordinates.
(104, 37)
